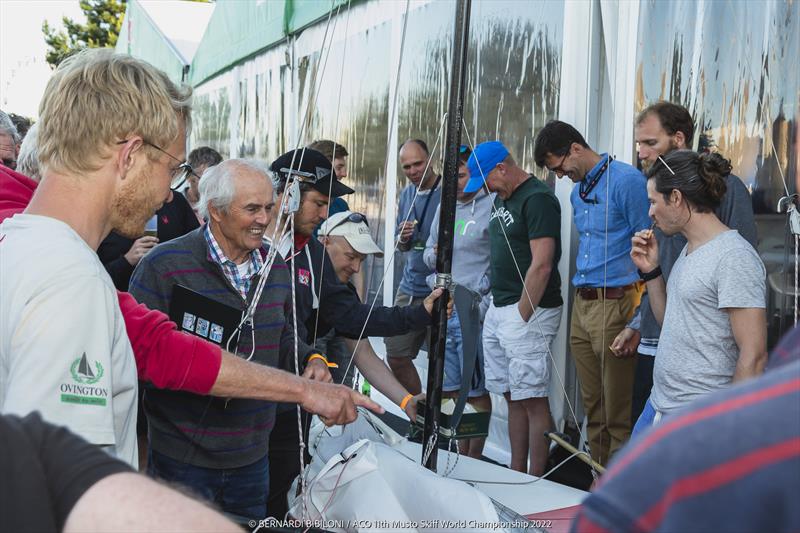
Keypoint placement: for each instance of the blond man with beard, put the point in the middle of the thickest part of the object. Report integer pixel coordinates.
(111, 137)
(115, 179)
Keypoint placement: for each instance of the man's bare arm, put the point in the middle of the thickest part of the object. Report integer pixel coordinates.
(133, 502)
(542, 252)
(749, 326)
(242, 379)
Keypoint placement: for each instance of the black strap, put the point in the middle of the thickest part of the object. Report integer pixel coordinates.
(421, 219)
(467, 304)
(586, 187)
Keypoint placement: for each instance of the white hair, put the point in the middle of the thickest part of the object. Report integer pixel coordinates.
(7, 126)
(28, 158)
(216, 187)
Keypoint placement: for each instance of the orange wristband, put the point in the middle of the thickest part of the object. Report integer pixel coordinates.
(324, 360)
(405, 400)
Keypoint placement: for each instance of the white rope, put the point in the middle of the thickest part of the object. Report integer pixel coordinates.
(764, 114)
(604, 346)
(312, 100)
(543, 476)
(447, 469)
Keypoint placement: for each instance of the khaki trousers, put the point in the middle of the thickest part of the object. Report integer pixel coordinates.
(606, 380)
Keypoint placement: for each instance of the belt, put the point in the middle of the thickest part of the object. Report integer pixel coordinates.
(610, 293)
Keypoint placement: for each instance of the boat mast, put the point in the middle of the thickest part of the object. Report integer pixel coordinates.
(447, 217)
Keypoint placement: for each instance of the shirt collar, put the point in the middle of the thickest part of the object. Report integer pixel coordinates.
(596, 168)
(218, 255)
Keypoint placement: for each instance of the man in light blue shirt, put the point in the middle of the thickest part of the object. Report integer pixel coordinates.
(609, 205)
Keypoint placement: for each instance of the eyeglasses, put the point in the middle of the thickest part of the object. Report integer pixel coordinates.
(355, 218)
(559, 169)
(177, 175)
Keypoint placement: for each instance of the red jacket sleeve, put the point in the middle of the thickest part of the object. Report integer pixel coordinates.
(165, 357)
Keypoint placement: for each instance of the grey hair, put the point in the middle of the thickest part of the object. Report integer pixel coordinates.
(217, 188)
(28, 158)
(7, 126)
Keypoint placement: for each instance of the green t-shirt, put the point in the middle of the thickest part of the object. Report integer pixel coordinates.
(532, 212)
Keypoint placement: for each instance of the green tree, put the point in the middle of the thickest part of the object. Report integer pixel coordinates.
(103, 22)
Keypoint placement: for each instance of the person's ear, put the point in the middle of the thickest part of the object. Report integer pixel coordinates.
(680, 140)
(128, 156)
(676, 197)
(215, 213)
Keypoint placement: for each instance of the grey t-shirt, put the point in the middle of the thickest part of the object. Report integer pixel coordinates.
(736, 212)
(697, 352)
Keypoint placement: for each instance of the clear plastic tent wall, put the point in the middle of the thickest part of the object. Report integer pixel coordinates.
(300, 89)
(734, 65)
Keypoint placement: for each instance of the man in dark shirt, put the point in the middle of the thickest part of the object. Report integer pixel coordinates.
(219, 447)
(54, 480)
(322, 300)
(525, 312)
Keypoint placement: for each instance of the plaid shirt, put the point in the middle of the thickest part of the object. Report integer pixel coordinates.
(229, 268)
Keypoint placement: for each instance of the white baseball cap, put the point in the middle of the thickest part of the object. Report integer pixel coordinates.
(354, 228)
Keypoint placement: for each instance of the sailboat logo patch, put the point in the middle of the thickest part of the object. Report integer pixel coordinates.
(85, 391)
(82, 371)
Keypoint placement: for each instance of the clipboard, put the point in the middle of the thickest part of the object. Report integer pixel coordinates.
(200, 315)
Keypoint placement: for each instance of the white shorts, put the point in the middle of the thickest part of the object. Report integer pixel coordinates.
(516, 352)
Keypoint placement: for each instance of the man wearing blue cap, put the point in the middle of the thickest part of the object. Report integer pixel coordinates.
(609, 205)
(523, 318)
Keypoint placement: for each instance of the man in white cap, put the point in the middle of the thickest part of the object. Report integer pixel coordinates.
(348, 241)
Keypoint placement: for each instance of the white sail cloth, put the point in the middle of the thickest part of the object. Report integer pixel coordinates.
(358, 482)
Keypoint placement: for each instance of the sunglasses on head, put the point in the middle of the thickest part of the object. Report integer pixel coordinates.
(355, 218)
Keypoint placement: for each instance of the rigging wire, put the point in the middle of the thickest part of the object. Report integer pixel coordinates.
(388, 265)
(333, 171)
(394, 251)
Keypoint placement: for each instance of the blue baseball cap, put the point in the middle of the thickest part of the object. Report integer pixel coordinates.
(484, 158)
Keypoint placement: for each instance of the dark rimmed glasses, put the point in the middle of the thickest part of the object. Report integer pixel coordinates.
(559, 168)
(177, 175)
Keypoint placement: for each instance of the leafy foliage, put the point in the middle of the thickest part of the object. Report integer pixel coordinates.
(103, 23)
